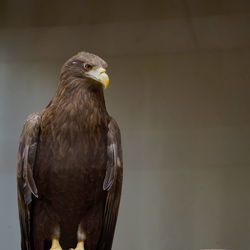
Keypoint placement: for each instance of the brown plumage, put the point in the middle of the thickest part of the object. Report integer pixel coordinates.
(69, 171)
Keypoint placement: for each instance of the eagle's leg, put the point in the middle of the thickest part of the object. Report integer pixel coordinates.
(80, 238)
(55, 244)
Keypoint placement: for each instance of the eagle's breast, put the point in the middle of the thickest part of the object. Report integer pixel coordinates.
(72, 152)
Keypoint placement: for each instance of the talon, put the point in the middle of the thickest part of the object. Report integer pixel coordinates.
(55, 245)
(80, 246)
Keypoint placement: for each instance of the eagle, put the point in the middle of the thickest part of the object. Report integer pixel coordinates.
(69, 167)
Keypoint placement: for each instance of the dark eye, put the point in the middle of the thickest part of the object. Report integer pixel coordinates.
(87, 66)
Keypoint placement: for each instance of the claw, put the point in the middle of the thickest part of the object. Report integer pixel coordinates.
(55, 245)
(80, 246)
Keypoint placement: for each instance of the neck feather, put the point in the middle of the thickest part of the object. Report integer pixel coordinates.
(81, 100)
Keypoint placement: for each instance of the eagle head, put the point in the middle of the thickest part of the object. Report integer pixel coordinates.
(87, 66)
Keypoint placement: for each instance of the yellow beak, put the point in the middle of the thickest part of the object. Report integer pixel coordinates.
(99, 74)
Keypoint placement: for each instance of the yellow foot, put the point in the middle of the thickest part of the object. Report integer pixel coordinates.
(55, 245)
(80, 246)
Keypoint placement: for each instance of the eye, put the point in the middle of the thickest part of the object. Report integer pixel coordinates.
(87, 66)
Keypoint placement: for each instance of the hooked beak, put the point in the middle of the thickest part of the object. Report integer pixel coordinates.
(99, 74)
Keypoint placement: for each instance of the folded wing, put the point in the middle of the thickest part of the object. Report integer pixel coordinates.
(26, 186)
(112, 184)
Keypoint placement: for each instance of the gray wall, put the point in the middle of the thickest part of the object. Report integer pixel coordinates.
(180, 92)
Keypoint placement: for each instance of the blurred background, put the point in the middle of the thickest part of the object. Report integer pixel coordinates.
(180, 82)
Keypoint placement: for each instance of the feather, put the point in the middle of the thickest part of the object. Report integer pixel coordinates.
(26, 184)
(113, 185)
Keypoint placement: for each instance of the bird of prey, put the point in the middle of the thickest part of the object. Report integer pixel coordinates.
(69, 171)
